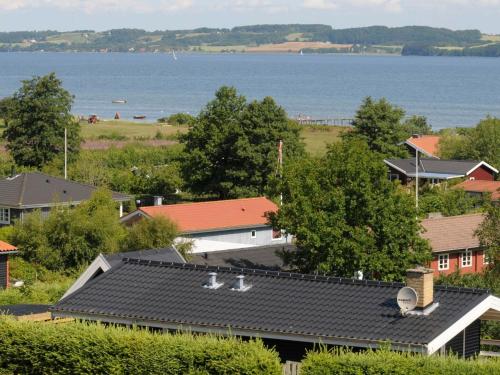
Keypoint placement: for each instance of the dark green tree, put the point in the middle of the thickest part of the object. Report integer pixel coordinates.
(379, 124)
(417, 125)
(154, 233)
(38, 114)
(232, 148)
(489, 236)
(347, 216)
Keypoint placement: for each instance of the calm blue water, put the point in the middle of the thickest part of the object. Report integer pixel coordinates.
(448, 90)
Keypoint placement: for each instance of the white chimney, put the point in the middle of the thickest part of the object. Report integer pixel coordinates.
(158, 200)
(240, 285)
(212, 281)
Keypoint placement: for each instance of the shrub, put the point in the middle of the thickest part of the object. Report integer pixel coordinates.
(178, 119)
(80, 348)
(386, 362)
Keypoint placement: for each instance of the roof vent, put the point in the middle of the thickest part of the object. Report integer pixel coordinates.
(212, 281)
(47, 181)
(416, 136)
(240, 285)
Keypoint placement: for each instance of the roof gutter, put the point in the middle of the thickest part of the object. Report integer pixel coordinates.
(230, 331)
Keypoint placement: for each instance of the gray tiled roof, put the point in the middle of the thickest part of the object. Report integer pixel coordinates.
(279, 304)
(37, 189)
(167, 254)
(439, 166)
(260, 257)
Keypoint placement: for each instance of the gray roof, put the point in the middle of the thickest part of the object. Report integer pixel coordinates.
(35, 189)
(24, 309)
(278, 304)
(435, 167)
(260, 257)
(166, 254)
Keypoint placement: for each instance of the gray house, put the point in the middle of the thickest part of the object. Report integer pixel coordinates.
(25, 192)
(288, 311)
(218, 225)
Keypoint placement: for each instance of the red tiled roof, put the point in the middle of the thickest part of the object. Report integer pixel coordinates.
(192, 217)
(453, 232)
(481, 186)
(4, 246)
(428, 143)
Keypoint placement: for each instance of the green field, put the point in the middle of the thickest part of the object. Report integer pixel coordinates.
(129, 129)
(316, 138)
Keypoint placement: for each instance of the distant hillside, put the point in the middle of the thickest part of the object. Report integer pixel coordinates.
(261, 38)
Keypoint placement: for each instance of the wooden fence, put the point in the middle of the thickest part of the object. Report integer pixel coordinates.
(291, 368)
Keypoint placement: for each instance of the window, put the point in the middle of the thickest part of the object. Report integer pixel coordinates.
(253, 234)
(277, 234)
(486, 259)
(443, 262)
(5, 215)
(466, 258)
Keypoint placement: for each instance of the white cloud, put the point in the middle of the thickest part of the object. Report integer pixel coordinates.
(92, 6)
(386, 5)
(320, 4)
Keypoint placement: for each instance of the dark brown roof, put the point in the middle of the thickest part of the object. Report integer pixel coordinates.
(35, 189)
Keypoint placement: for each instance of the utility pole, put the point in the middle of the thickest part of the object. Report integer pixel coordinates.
(416, 179)
(280, 162)
(65, 153)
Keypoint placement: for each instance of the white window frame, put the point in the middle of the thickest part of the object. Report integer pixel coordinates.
(253, 234)
(485, 257)
(4, 215)
(443, 262)
(464, 256)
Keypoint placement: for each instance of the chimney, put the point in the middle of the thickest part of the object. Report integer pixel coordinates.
(157, 200)
(416, 136)
(422, 280)
(240, 285)
(212, 281)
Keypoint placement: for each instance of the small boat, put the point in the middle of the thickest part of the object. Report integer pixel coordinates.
(301, 53)
(139, 117)
(119, 101)
(173, 55)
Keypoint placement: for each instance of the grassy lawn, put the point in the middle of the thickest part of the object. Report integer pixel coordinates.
(317, 138)
(129, 129)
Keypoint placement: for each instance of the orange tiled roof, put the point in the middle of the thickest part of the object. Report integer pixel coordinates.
(428, 143)
(192, 217)
(453, 232)
(481, 186)
(4, 246)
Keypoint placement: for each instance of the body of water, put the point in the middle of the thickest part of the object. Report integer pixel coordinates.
(450, 91)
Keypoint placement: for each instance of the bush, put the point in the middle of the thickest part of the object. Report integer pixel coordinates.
(386, 362)
(178, 119)
(79, 348)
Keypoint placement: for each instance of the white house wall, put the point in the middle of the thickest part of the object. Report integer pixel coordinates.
(264, 236)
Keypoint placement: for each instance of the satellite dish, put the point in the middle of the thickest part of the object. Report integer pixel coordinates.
(407, 299)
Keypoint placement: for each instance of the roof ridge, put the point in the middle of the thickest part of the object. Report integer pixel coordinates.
(208, 202)
(250, 271)
(454, 217)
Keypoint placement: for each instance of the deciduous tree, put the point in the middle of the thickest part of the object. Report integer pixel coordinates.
(232, 148)
(347, 216)
(37, 115)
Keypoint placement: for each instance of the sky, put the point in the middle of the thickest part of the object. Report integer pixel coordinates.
(64, 15)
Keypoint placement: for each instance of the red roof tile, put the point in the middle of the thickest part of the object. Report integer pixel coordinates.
(4, 246)
(235, 213)
(453, 232)
(428, 143)
(481, 186)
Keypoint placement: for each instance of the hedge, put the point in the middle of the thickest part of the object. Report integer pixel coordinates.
(386, 362)
(81, 348)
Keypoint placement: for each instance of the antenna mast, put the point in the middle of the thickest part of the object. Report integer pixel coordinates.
(280, 162)
(65, 153)
(416, 179)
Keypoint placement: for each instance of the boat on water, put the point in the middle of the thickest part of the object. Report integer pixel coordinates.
(139, 117)
(301, 53)
(119, 101)
(174, 55)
